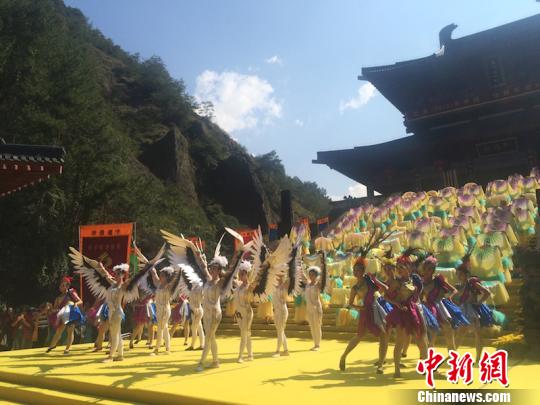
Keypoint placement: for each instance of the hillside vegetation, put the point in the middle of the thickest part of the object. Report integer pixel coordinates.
(136, 151)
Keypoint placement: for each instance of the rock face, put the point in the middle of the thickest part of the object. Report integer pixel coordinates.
(208, 165)
(168, 159)
(237, 189)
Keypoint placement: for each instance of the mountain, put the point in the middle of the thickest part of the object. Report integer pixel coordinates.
(135, 149)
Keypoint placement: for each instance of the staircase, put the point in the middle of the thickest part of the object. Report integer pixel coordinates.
(260, 327)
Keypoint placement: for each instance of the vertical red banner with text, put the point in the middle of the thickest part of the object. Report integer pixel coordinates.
(108, 243)
(247, 235)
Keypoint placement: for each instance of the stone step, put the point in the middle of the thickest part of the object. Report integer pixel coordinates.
(337, 335)
(330, 328)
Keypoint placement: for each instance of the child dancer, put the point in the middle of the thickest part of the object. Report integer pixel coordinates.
(281, 314)
(102, 320)
(190, 260)
(473, 296)
(316, 283)
(116, 290)
(197, 312)
(373, 311)
(164, 288)
(143, 315)
(289, 284)
(66, 314)
(437, 295)
(244, 312)
(405, 315)
(259, 281)
(181, 318)
(314, 306)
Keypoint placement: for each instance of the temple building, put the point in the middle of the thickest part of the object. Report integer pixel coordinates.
(472, 109)
(24, 165)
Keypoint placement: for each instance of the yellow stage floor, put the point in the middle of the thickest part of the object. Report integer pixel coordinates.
(303, 378)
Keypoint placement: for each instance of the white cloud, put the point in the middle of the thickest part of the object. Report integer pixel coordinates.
(299, 123)
(365, 93)
(274, 60)
(240, 101)
(355, 190)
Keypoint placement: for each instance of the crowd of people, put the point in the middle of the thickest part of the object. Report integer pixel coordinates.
(419, 265)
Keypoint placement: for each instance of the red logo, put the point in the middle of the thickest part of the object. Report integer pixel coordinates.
(429, 366)
(461, 368)
(494, 367)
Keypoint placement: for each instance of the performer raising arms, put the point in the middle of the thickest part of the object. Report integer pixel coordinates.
(189, 258)
(116, 290)
(220, 284)
(316, 283)
(259, 282)
(65, 314)
(286, 285)
(215, 284)
(164, 288)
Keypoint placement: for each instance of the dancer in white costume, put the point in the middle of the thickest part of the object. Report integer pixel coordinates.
(220, 285)
(214, 287)
(287, 284)
(281, 314)
(259, 283)
(165, 288)
(189, 258)
(197, 331)
(316, 283)
(244, 312)
(115, 290)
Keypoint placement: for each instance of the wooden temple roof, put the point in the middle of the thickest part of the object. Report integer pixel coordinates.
(474, 103)
(25, 165)
(487, 67)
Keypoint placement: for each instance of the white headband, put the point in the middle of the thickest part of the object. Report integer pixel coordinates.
(124, 268)
(244, 266)
(220, 261)
(168, 270)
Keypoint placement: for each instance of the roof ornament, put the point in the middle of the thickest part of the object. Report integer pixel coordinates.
(445, 36)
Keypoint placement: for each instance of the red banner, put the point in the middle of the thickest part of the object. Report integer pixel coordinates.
(247, 235)
(304, 221)
(322, 221)
(108, 243)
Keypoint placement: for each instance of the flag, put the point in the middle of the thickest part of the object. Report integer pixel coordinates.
(133, 260)
(322, 224)
(247, 235)
(273, 232)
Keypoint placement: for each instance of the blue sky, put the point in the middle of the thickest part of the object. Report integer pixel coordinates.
(282, 74)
